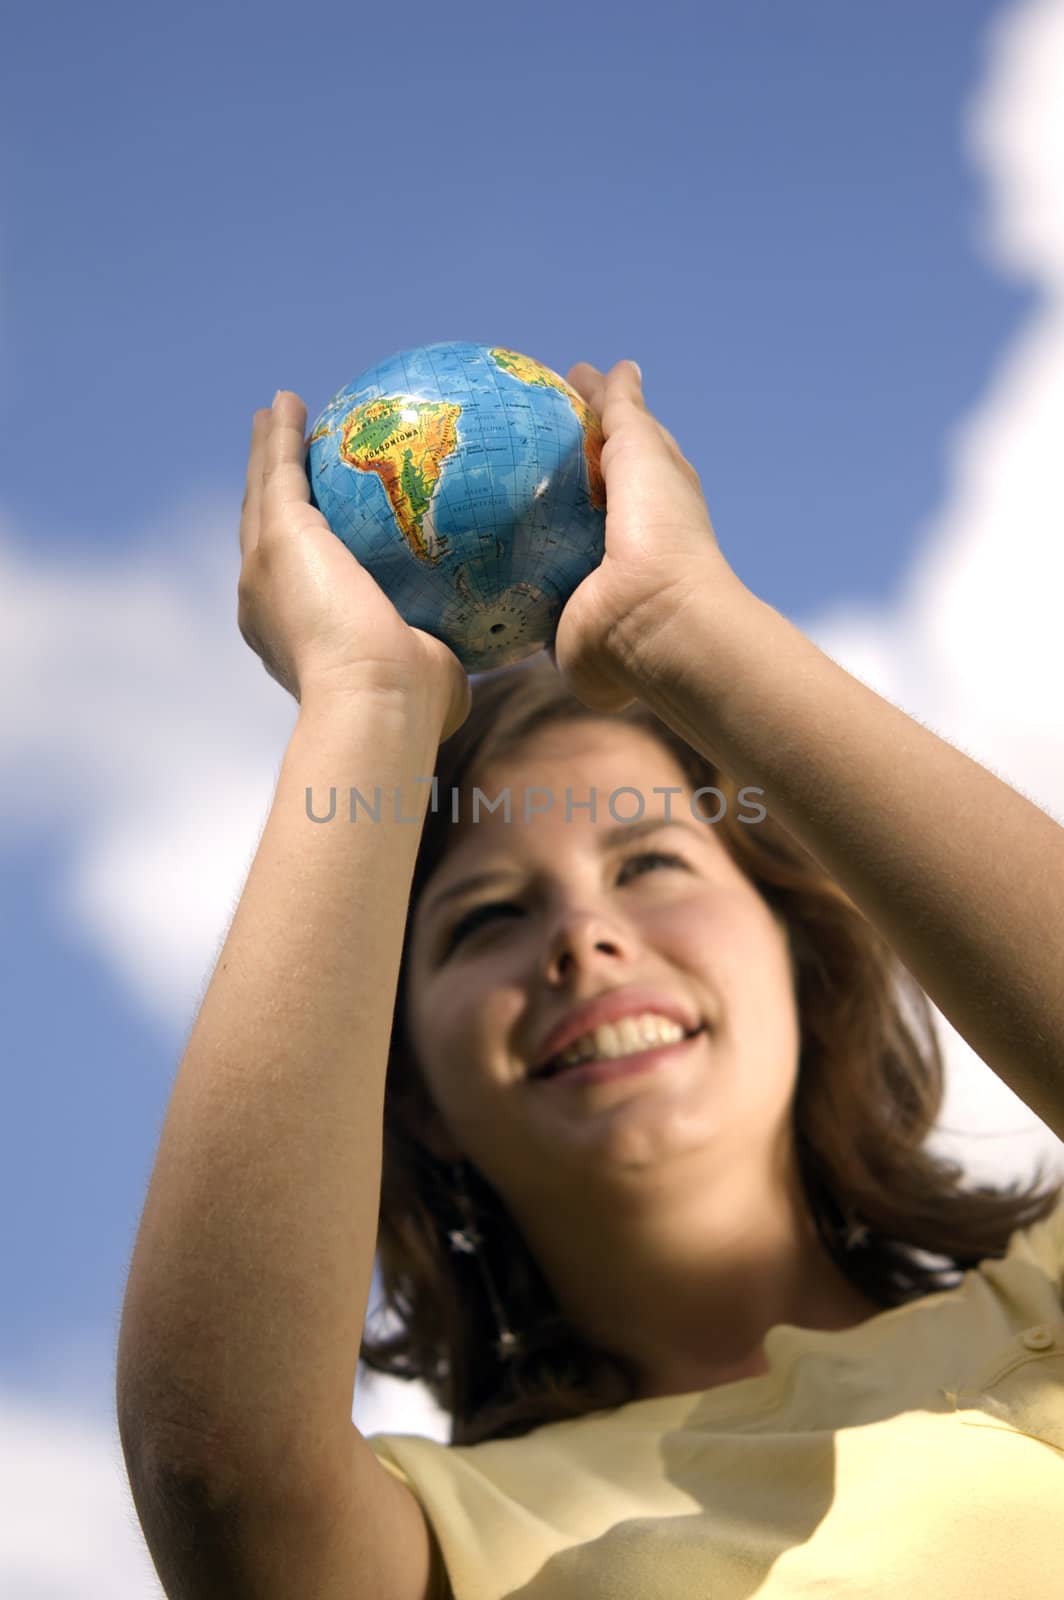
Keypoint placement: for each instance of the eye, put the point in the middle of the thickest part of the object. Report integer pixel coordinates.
(484, 913)
(473, 919)
(655, 855)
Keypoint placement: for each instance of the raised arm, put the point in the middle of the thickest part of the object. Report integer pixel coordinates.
(250, 1277)
(963, 875)
(251, 1274)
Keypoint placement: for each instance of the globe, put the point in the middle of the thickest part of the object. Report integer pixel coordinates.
(467, 480)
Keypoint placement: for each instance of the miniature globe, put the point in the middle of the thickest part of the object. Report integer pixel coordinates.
(466, 478)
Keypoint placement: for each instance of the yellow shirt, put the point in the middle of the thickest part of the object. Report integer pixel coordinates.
(918, 1454)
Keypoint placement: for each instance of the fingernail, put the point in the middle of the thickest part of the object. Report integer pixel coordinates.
(638, 369)
(273, 403)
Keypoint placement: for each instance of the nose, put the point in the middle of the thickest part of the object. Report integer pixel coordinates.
(580, 940)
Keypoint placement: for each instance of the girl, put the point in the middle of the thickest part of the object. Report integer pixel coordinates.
(629, 1083)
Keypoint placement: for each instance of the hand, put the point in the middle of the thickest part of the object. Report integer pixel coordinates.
(317, 618)
(660, 550)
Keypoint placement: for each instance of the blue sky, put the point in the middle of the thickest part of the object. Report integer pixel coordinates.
(766, 204)
(813, 226)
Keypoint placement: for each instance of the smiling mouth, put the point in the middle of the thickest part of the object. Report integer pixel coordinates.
(554, 1069)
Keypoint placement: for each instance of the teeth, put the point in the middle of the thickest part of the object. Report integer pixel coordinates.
(623, 1038)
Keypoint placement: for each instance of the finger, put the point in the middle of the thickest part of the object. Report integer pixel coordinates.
(622, 399)
(251, 505)
(624, 403)
(624, 382)
(624, 412)
(589, 384)
(285, 482)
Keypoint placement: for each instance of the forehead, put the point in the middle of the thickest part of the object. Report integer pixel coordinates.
(549, 779)
(554, 769)
(604, 743)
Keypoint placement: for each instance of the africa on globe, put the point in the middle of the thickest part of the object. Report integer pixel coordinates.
(467, 480)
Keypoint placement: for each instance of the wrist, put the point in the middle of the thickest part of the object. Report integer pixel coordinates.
(676, 626)
(380, 744)
(364, 700)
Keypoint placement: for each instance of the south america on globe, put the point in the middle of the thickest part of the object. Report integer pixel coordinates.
(467, 480)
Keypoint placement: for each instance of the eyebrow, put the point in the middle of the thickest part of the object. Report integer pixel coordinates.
(609, 841)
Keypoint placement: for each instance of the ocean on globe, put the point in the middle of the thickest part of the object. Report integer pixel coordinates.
(467, 480)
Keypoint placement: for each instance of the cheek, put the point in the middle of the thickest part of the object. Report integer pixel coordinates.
(768, 992)
(466, 1027)
(746, 957)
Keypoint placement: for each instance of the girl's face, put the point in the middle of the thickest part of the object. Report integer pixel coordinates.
(577, 907)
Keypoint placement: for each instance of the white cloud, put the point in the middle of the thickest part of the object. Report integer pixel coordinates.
(1015, 135)
(146, 731)
(69, 1527)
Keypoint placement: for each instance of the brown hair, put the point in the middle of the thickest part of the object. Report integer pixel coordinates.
(870, 1087)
